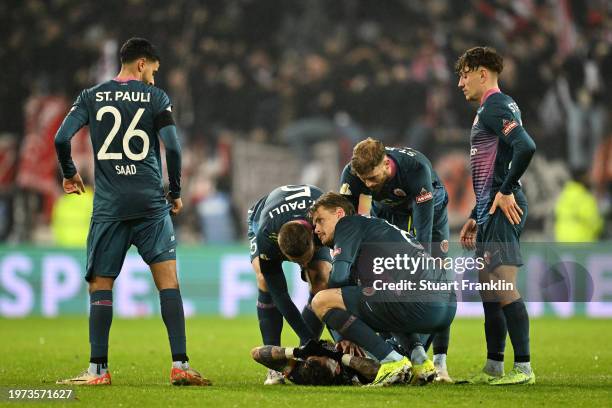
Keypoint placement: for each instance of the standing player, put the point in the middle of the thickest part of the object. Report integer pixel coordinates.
(125, 115)
(356, 307)
(279, 230)
(406, 191)
(500, 152)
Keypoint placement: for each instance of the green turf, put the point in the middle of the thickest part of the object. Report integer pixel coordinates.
(572, 359)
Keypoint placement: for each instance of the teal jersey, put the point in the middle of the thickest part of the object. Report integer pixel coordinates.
(414, 189)
(122, 125)
(500, 151)
(358, 239)
(282, 205)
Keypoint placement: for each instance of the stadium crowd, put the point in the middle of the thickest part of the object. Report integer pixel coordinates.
(253, 70)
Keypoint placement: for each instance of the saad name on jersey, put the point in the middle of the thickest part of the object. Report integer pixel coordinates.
(126, 170)
(123, 96)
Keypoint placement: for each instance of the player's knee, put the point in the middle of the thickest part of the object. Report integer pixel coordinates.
(166, 281)
(255, 354)
(261, 281)
(100, 283)
(320, 303)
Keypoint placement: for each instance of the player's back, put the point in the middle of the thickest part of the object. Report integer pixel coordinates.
(288, 202)
(128, 172)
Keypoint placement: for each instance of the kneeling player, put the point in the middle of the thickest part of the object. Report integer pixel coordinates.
(344, 369)
(279, 230)
(401, 186)
(358, 311)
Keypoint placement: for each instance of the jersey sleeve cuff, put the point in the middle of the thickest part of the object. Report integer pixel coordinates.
(174, 195)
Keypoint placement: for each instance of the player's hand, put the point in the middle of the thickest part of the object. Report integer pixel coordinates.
(177, 205)
(348, 347)
(467, 236)
(74, 185)
(315, 348)
(509, 206)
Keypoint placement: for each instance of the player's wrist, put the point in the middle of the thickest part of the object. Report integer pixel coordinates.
(174, 195)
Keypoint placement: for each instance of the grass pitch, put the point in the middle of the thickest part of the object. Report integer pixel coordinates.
(572, 360)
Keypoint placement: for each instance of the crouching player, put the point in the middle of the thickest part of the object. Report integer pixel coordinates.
(401, 186)
(336, 368)
(279, 230)
(357, 310)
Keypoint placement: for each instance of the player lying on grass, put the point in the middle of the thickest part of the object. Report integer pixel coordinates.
(125, 117)
(405, 190)
(339, 369)
(279, 230)
(357, 310)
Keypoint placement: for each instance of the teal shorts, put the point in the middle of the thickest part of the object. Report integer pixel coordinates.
(401, 317)
(108, 243)
(498, 241)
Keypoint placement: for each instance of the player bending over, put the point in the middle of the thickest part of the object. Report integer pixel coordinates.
(278, 230)
(405, 190)
(125, 117)
(357, 310)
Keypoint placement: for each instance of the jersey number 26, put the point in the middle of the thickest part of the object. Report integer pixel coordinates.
(131, 132)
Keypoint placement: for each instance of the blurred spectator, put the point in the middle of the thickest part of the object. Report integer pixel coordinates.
(71, 217)
(254, 69)
(577, 217)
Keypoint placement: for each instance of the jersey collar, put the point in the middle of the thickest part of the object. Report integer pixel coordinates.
(125, 79)
(392, 167)
(487, 94)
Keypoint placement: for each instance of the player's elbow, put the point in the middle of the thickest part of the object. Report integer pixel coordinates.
(530, 146)
(255, 353)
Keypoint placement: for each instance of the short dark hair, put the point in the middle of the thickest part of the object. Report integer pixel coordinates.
(294, 239)
(332, 200)
(135, 48)
(480, 57)
(367, 154)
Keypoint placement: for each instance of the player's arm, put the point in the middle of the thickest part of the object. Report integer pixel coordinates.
(353, 189)
(273, 357)
(499, 117)
(73, 122)
(423, 205)
(274, 276)
(367, 367)
(165, 127)
(347, 239)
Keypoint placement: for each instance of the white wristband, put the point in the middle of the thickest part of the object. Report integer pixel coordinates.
(289, 352)
(346, 359)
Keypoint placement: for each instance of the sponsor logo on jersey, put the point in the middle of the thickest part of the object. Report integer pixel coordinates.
(508, 126)
(264, 257)
(399, 192)
(473, 151)
(345, 189)
(337, 251)
(423, 196)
